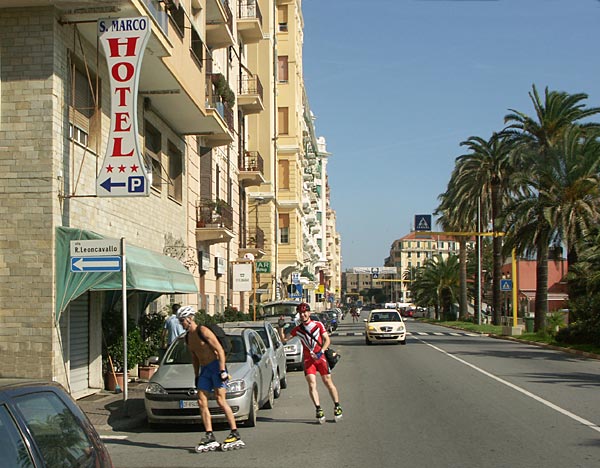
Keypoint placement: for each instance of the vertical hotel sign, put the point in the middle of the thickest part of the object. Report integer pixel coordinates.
(123, 173)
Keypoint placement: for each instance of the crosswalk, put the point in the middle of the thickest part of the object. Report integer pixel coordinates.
(412, 334)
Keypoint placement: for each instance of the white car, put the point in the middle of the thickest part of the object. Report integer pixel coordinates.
(171, 396)
(385, 326)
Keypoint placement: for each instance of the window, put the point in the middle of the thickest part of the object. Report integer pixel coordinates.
(197, 48)
(177, 15)
(13, 451)
(283, 120)
(284, 228)
(284, 174)
(51, 422)
(84, 118)
(175, 172)
(152, 143)
(282, 18)
(282, 69)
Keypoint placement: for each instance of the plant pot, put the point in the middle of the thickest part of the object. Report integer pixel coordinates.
(146, 372)
(111, 383)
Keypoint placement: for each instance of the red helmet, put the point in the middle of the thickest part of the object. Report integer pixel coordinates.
(302, 307)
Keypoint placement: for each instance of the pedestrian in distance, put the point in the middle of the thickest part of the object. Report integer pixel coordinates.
(172, 328)
(354, 313)
(210, 374)
(315, 341)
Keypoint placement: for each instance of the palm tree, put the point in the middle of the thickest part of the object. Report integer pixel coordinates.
(483, 175)
(536, 139)
(451, 222)
(439, 279)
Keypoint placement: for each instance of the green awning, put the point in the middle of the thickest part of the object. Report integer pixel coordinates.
(146, 271)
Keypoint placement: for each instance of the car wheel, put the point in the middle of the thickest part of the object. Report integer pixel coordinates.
(403, 342)
(271, 397)
(367, 341)
(277, 387)
(284, 381)
(251, 421)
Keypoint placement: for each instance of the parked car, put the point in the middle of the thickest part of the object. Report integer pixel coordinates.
(170, 396)
(385, 325)
(41, 425)
(323, 318)
(274, 345)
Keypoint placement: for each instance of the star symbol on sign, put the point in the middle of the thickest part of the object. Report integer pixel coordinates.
(134, 168)
(122, 168)
(109, 168)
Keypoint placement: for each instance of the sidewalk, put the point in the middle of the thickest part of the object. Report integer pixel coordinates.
(108, 412)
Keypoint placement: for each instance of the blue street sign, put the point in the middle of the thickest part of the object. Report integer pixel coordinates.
(505, 285)
(422, 222)
(95, 264)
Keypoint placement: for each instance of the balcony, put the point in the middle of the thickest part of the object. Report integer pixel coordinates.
(159, 78)
(255, 244)
(249, 23)
(250, 97)
(218, 123)
(251, 167)
(219, 24)
(214, 221)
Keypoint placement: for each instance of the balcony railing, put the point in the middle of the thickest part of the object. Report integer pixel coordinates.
(214, 214)
(252, 162)
(223, 108)
(249, 9)
(251, 85)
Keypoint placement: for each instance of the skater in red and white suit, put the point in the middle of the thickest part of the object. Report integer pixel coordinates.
(315, 341)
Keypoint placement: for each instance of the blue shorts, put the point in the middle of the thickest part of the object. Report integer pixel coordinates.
(210, 377)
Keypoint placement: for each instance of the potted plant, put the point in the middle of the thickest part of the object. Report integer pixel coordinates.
(151, 327)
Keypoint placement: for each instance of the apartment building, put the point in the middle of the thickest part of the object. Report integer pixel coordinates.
(188, 116)
(202, 196)
(412, 251)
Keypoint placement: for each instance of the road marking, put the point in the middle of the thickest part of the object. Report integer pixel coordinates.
(113, 437)
(563, 411)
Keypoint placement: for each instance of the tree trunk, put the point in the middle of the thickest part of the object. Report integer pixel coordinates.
(497, 256)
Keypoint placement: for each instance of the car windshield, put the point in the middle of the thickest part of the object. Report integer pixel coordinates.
(385, 317)
(179, 354)
(288, 310)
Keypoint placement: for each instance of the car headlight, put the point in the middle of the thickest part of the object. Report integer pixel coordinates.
(401, 328)
(235, 388)
(155, 389)
(292, 348)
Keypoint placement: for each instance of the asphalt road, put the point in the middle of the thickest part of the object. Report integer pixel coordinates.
(446, 399)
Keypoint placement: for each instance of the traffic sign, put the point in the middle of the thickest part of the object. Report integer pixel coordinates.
(505, 285)
(422, 222)
(95, 247)
(95, 264)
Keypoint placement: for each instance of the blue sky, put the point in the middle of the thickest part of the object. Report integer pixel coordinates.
(396, 85)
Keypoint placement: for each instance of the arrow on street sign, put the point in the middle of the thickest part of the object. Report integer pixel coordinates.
(108, 184)
(95, 264)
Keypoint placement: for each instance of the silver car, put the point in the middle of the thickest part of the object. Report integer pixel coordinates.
(274, 345)
(170, 396)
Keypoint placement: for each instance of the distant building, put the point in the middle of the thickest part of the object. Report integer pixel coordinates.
(412, 251)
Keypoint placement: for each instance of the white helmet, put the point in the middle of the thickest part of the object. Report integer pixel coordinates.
(186, 311)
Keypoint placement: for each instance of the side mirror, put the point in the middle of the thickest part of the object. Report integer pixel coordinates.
(153, 360)
(365, 320)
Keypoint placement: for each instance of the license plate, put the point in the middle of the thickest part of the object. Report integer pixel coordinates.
(188, 404)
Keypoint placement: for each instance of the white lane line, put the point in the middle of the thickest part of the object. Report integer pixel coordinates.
(563, 411)
(113, 437)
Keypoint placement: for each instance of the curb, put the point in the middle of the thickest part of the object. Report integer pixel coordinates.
(576, 352)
